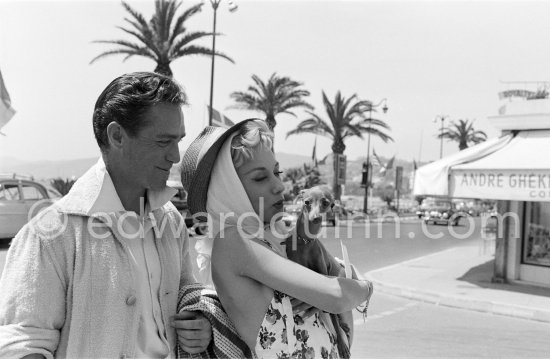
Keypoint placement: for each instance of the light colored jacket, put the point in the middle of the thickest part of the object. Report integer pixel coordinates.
(68, 291)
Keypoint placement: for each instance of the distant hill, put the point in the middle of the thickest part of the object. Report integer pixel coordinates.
(290, 160)
(47, 169)
(77, 167)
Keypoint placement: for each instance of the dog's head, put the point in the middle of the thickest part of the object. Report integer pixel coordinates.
(317, 201)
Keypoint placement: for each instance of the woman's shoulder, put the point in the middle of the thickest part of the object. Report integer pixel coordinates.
(234, 244)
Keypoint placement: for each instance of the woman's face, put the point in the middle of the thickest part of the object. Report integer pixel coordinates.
(261, 180)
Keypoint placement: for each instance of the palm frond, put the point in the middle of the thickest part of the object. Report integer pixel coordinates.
(200, 50)
(179, 27)
(186, 39)
(114, 52)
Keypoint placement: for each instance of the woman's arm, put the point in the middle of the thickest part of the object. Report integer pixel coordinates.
(251, 259)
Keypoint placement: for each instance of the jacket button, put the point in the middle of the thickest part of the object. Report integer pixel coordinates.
(131, 300)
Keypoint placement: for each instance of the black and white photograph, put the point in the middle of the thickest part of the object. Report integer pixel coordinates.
(274, 179)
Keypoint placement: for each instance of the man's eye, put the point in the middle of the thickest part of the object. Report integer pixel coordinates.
(163, 143)
(259, 179)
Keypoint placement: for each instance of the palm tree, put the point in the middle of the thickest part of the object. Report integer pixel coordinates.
(278, 95)
(463, 132)
(161, 39)
(347, 119)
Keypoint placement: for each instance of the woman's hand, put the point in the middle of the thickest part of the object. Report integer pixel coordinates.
(194, 331)
(301, 307)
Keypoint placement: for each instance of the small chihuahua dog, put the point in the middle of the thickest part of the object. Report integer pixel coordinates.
(304, 248)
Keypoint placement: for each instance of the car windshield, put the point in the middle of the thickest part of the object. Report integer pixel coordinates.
(437, 205)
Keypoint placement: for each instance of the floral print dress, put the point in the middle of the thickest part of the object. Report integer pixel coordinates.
(285, 335)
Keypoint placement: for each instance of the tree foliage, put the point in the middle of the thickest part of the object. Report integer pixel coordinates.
(162, 39)
(280, 94)
(63, 186)
(347, 117)
(464, 133)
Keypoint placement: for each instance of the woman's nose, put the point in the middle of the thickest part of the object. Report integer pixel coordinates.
(278, 187)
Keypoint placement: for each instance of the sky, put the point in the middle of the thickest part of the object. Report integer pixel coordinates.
(426, 58)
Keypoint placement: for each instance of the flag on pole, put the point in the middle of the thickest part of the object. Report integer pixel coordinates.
(6, 111)
(314, 154)
(387, 166)
(218, 119)
(376, 161)
(324, 160)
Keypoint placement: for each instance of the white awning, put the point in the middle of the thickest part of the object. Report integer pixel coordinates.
(518, 171)
(433, 178)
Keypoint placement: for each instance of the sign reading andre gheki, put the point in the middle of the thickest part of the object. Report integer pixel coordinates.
(516, 185)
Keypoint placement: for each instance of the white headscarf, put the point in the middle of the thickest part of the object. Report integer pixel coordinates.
(227, 201)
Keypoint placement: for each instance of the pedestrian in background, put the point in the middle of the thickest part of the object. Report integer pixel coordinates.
(97, 274)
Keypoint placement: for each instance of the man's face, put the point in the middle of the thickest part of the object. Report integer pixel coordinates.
(152, 152)
(261, 180)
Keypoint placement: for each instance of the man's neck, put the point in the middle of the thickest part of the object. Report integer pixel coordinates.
(133, 199)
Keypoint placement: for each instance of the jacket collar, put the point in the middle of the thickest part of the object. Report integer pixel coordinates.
(95, 192)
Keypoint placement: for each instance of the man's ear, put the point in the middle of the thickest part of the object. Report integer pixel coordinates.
(115, 134)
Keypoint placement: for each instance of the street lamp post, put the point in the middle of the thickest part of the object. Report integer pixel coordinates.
(232, 7)
(368, 166)
(442, 118)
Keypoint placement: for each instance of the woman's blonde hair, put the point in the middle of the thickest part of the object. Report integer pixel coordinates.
(253, 136)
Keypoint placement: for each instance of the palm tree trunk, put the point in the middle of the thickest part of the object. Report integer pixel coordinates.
(271, 123)
(164, 69)
(338, 148)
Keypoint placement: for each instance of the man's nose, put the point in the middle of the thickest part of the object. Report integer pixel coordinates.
(174, 153)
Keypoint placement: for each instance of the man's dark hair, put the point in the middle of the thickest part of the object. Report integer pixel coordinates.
(128, 97)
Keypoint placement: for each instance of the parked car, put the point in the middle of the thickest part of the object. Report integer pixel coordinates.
(441, 211)
(21, 198)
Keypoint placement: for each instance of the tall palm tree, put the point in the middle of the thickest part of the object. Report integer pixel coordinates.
(463, 132)
(277, 95)
(347, 119)
(163, 39)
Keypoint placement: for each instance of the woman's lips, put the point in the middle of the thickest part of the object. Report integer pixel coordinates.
(279, 204)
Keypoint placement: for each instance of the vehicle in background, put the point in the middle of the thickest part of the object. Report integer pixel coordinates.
(22, 198)
(440, 211)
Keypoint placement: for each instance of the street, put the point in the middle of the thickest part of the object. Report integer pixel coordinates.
(402, 328)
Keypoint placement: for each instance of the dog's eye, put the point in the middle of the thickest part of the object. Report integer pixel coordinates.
(325, 202)
(307, 203)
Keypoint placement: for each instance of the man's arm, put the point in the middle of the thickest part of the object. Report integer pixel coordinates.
(32, 297)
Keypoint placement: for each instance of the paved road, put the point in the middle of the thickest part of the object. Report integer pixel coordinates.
(376, 245)
(401, 328)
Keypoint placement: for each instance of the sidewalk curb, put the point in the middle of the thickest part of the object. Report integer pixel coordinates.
(455, 301)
